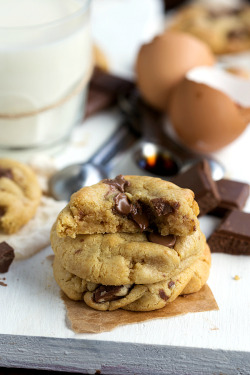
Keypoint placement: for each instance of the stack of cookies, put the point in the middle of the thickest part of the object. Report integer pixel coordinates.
(132, 242)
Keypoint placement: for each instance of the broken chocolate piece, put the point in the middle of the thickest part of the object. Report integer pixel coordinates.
(118, 182)
(199, 179)
(6, 173)
(107, 293)
(163, 295)
(122, 205)
(233, 234)
(168, 241)
(6, 256)
(162, 207)
(233, 195)
(104, 91)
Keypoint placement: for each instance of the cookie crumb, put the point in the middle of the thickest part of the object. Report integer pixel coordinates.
(236, 277)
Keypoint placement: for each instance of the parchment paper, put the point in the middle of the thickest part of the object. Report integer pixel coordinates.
(83, 319)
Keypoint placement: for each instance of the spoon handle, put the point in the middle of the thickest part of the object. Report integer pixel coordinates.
(122, 139)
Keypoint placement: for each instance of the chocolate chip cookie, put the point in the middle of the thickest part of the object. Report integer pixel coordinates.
(130, 204)
(224, 29)
(20, 195)
(126, 258)
(133, 296)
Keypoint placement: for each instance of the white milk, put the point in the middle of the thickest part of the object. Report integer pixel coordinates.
(45, 53)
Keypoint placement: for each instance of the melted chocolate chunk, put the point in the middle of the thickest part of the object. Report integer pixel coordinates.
(122, 205)
(168, 241)
(4, 172)
(119, 183)
(163, 295)
(171, 284)
(139, 214)
(107, 293)
(6, 256)
(162, 207)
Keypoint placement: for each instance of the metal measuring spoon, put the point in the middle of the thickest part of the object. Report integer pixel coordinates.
(70, 179)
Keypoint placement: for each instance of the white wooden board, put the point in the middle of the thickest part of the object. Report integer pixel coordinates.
(33, 329)
(34, 332)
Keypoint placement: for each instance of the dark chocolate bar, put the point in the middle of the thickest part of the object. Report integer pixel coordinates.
(233, 195)
(104, 91)
(233, 234)
(198, 178)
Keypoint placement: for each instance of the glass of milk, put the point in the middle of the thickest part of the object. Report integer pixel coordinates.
(45, 66)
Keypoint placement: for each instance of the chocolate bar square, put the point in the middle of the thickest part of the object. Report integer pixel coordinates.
(233, 195)
(233, 234)
(199, 179)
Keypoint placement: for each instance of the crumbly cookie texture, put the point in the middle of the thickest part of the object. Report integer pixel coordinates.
(225, 30)
(20, 195)
(126, 258)
(34, 235)
(130, 204)
(135, 297)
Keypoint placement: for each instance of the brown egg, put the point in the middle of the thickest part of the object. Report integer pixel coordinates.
(162, 63)
(204, 118)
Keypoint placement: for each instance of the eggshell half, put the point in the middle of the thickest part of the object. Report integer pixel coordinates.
(164, 62)
(204, 118)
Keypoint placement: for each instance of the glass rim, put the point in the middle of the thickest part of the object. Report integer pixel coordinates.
(82, 9)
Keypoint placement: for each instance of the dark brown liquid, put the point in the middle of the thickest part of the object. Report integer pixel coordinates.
(160, 164)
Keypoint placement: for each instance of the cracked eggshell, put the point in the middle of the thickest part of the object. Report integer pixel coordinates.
(163, 63)
(209, 109)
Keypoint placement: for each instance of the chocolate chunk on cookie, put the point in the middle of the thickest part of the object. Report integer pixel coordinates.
(130, 204)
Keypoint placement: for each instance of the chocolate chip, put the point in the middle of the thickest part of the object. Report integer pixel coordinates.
(122, 204)
(218, 13)
(107, 293)
(163, 295)
(6, 257)
(238, 33)
(162, 208)
(171, 284)
(2, 284)
(2, 211)
(4, 172)
(118, 182)
(168, 241)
